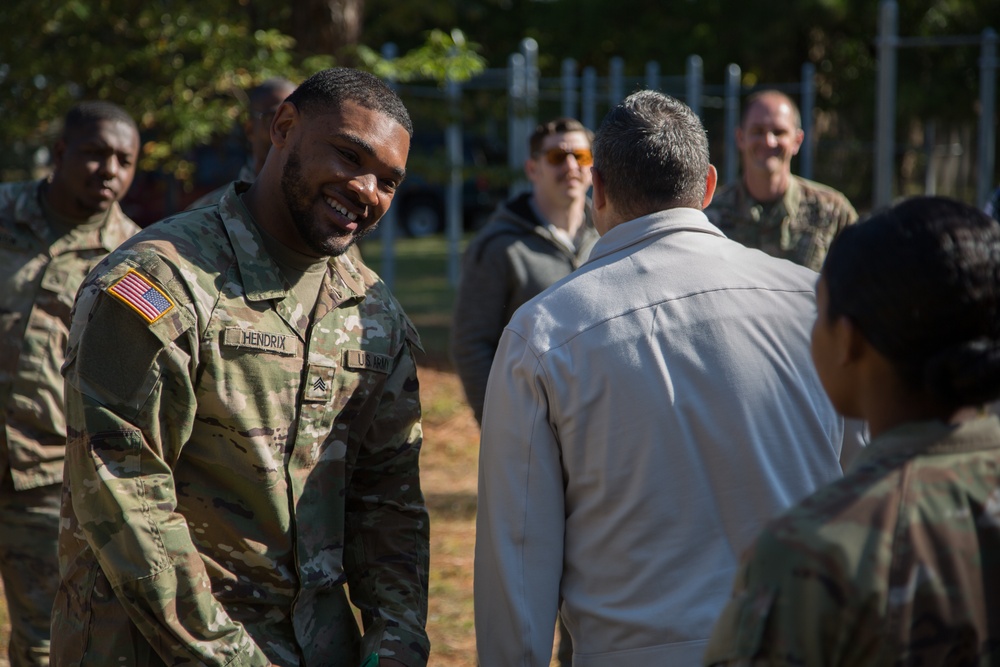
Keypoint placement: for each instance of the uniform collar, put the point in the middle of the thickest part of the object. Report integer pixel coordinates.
(656, 224)
(932, 437)
(262, 277)
(789, 201)
(117, 228)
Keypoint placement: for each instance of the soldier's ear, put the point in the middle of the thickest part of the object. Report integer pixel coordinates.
(800, 135)
(58, 151)
(284, 120)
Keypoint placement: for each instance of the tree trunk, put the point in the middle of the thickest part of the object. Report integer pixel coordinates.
(326, 26)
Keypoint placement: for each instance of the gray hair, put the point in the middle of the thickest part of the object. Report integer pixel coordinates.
(651, 152)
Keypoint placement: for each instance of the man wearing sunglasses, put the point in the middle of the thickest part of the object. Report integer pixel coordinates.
(531, 241)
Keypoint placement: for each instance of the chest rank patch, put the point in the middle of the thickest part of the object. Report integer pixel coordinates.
(275, 343)
(319, 384)
(368, 361)
(141, 296)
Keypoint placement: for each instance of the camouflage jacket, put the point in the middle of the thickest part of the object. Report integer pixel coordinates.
(898, 563)
(232, 462)
(39, 277)
(799, 227)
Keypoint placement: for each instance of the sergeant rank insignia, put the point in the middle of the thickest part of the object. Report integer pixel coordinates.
(141, 296)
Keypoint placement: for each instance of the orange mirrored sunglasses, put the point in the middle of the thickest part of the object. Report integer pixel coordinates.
(556, 156)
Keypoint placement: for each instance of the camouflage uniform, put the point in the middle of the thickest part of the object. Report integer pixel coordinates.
(898, 563)
(39, 277)
(799, 227)
(233, 461)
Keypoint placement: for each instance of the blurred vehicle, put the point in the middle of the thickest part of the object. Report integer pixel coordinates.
(421, 200)
(155, 195)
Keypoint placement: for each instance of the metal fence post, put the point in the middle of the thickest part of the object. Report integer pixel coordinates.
(453, 140)
(589, 98)
(694, 78)
(652, 75)
(616, 81)
(388, 225)
(987, 107)
(529, 48)
(569, 83)
(517, 145)
(807, 103)
(732, 116)
(885, 109)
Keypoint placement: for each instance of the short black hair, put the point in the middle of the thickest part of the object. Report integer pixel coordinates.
(84, 114)
(560, 125)
(921, 281)
(328, 89)
(651, 152)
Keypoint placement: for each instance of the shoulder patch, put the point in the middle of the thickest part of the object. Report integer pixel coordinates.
(276, 343)
(361, 360)
(141, 296)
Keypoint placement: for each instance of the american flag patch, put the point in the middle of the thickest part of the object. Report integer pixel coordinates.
(141, 296)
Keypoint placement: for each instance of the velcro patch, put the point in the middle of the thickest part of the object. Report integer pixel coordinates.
(275, 343)
(319, 384)
(141, 296)
(370, 361)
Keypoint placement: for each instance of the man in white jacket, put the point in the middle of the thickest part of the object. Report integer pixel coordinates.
(644, 417)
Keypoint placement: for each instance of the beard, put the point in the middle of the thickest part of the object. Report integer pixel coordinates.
(300, 203)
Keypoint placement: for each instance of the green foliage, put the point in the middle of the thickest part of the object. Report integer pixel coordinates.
(179, 66)
(443, 57)
(770, 41)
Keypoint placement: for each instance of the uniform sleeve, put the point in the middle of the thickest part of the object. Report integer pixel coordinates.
(847, 215)
(482, 309)
(130, 407)
(521, 517)
(789, 607)
(388, 545)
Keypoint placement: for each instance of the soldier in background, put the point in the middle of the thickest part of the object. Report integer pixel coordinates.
(263, 101)
(769, 208)
(898, 563)
(244, 419)
(52, 233)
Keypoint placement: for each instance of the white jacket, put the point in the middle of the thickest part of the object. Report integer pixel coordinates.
(644, 417)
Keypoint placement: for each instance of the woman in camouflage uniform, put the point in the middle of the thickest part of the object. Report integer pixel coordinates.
(898, 563)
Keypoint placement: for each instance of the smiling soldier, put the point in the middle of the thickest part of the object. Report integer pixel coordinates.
(52, 233)
(244, 419)
(769, 208)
